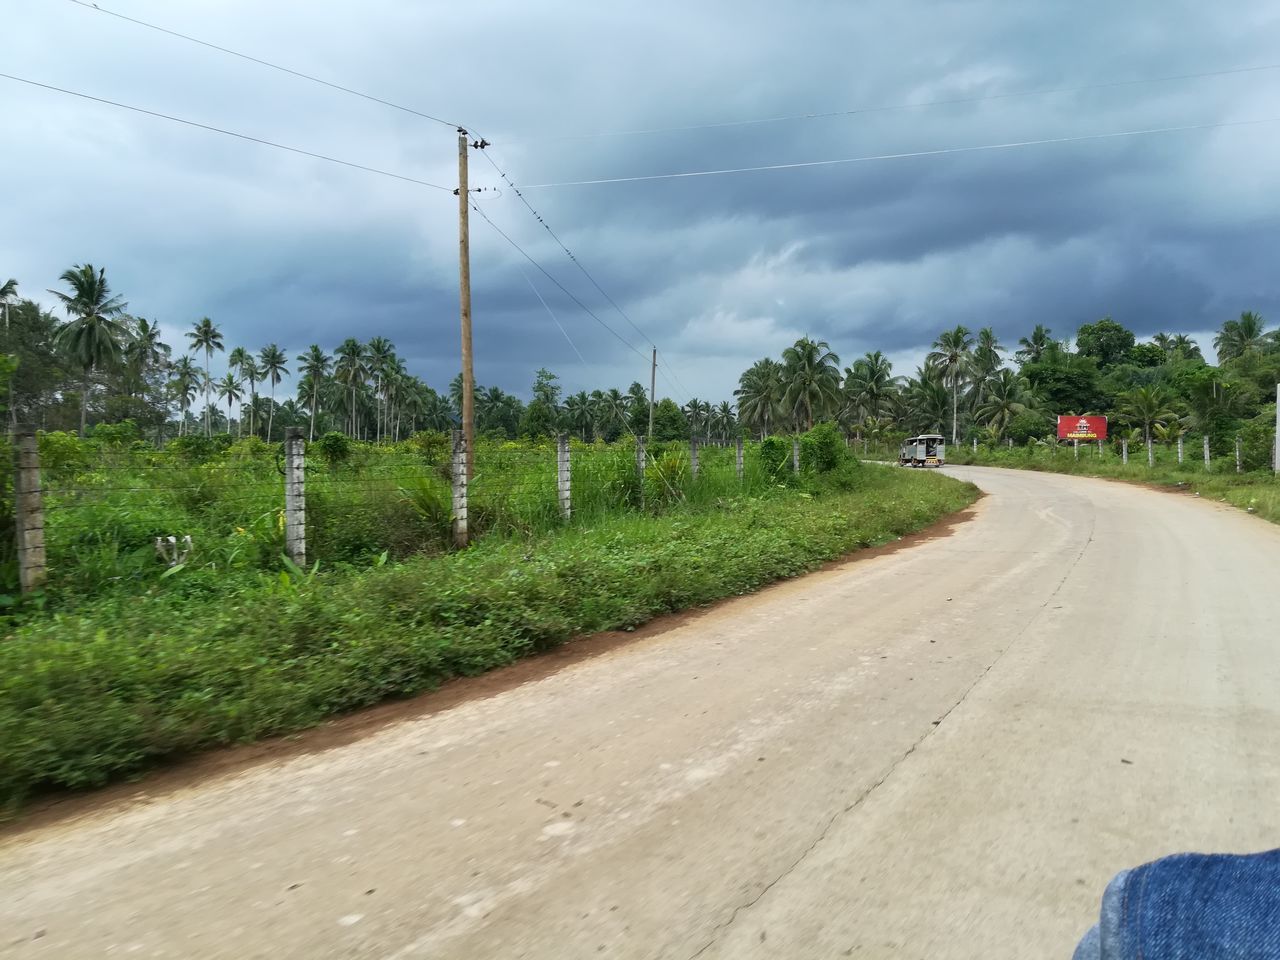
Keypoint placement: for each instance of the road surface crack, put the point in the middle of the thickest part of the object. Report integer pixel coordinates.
(724, 925)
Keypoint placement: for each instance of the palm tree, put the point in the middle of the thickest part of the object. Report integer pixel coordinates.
(810, 379)
(314, 365)
(697, 413)
(577, 412)
(380, 352)
(1239, 337)
(350, 370)
(1186, 348)
(229, 390)
(759, 394)
(723, 421)
(952, 353)
(1172, 433)
(1035, 346)
(94, 336)
(186, 379)
(1008, 395)
(205, 336)
(274, 365)
(869, 385)
(925, 398)
(243, 363)
(1147, 406)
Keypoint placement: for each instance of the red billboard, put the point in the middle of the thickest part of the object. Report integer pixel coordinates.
(1082, 428)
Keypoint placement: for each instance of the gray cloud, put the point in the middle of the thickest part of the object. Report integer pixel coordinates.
(1166, 232)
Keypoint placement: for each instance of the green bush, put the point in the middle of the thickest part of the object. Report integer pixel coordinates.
(62, 454)
(822, 449)
(333, 447)
(775, 456)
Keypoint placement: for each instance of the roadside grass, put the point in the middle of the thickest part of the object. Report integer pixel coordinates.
(1257, 491)
(102, 691)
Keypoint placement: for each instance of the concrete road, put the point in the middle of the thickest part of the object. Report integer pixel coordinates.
(942, 752)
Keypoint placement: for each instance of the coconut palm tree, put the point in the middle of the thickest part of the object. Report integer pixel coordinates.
(810, 380)
(952, 352)
(1239, 337)
(95, 335)
(242, 362)
(697, 412)
(926, 398)
(274, 365)
(577, 412)
(1147, 407)
(1008, 395)
(350, 369)
(380, 352)
(229, 390)
(183, 386)
(1035, 346)
(869, 385)
(1183, 346)
(207, 337)
(723, 420)
(314, 366)
(759, 394)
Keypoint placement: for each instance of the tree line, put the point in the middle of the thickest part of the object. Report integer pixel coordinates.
(100, 364)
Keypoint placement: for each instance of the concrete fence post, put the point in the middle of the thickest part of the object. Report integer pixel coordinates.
(1179, 448)
(975, 444)
(1205, 438)
(693, 457)
(28, 505)
(795, 454)
(1124, 450)
(1075, 446)
(461, 535)
(737, 454)
(1100, 450)
(642, 457)
(564, 487)
(295, 500)
(1239, 465)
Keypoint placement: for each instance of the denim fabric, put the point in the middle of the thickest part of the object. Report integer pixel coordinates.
(1191, 907)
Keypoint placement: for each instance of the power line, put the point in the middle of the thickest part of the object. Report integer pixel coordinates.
(264, 63)
(567, 252)
(1048, 91)
(551, 313)
(587, 310)
(227, 133)
(903, 156)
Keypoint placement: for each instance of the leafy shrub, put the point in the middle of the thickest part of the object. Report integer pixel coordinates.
(775, 456)
(62, 454)
(432, 445)
(822, 449)
(333, 447)
(120, 434)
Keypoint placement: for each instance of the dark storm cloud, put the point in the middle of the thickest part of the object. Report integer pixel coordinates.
(1165, 232)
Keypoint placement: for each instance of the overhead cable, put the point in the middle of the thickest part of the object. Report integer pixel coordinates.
(903, 156)
(227, 133)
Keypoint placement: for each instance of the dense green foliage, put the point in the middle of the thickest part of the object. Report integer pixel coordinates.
(117, 684)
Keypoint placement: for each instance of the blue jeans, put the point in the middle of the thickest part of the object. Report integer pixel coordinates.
(1191, 907)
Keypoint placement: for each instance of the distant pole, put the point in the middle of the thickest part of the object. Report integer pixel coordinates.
(693, 457)
(464, 291)
(738, 458)
(1239, 465)
(653, 386)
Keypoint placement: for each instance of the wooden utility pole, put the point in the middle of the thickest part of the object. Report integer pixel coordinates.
(464, 292)
(653, 386)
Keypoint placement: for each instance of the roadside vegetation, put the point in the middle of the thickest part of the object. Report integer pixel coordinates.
(110, 686)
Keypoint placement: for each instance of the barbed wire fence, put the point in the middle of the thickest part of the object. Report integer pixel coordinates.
(89, 515)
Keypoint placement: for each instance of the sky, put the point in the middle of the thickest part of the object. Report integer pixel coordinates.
(1174, 231)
